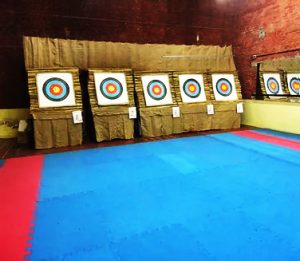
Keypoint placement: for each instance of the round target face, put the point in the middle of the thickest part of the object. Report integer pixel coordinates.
(224, 87)
(157, 90)
(295, 85)
(192, 88)
(273, 85)
(111, 88)
(56, 89)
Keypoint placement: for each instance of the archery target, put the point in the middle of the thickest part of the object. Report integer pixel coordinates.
(55, 90)
(224, 87)
(111, 88)
(192, 88)
(294, 83)
(272, 84)
(157, 90)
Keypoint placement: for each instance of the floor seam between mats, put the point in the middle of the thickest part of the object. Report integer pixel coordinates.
(260, 152)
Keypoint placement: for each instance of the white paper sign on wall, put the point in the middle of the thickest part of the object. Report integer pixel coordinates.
(132, 112)
(157, 90)
(77, 117)
(176, 112)
(55, 90)
(210, 109)
(192, 88)
(240, 108)
(22, 125)
(293, 80)
(111, 88)
(224, 87)
(273, 84)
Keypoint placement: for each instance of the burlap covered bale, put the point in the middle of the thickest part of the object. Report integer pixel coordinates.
(194, 116)
(112, 122)
(54, 127)
(159, 121)
(226, 115)
(111, 127)
(156, 121)
(53, 131)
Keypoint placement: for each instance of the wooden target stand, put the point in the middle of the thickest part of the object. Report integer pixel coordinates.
(156, 120)
(112, 121)
(194, 116)
(225, 115)
(283, 81)
(54, 127)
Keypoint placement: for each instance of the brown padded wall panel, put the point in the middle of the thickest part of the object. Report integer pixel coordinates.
(50, 52)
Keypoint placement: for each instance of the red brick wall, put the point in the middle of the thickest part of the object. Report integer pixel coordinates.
(140, 21)
(281, 22)
(218, 22)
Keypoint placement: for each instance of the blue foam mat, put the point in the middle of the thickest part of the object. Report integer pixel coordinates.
(216, 197)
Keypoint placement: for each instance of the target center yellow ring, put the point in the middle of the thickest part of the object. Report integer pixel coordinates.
(111, 88)
(192, 88)
(156, 90)
(56, 89)
(224, 87)
(297, 86)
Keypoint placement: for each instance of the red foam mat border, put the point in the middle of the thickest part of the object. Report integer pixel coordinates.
(291, 144)
(19, 188)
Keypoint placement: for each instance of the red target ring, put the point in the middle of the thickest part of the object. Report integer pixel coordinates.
(111, 88)
(56, 89)
(156, 89)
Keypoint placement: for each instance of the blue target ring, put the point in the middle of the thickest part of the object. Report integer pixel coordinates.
(56, 89)
(273, 85)
(192, 88)
(111, 88)
(295, 85)
(157, 90)
(224, 87)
